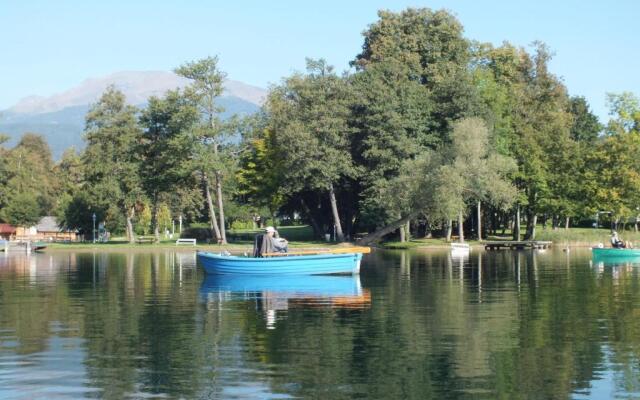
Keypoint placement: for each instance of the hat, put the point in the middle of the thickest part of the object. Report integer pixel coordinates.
(270, 229)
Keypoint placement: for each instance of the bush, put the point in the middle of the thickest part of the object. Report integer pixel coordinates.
(201, 234)
(241, 225)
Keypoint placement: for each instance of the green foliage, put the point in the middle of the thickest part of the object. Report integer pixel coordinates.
(111, 160)
(429, 124)
(26, 171)
(308, 117)
(22, 210)
(585, 127)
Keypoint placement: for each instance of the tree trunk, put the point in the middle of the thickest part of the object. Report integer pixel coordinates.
(154, 219)
(317, 230)
(213, 223)
(336, 216)
(380, 233)
(223, 233)
(516, 225)
(460, 227)
(130, 234)
(408, 230)
(532, 232)
(402, 235)
(448, 229)
(479, 220)
(566, 222)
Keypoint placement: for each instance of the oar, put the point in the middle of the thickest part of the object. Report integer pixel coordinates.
(341, 250)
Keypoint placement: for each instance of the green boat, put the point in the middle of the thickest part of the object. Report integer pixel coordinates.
(612, 253)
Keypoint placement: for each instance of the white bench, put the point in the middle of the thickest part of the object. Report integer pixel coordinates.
(186, 241)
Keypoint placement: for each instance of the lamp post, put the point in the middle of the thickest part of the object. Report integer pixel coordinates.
(94, 227)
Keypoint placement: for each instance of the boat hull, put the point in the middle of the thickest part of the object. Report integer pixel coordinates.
(611, 253)
(319, 264)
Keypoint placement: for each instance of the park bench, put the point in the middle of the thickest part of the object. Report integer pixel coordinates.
(186, 241)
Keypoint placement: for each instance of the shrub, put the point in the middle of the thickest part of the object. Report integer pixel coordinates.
(201, 234)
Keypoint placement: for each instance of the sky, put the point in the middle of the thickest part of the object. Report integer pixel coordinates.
(50, 46)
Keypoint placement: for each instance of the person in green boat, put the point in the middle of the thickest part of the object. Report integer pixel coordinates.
(616, 242)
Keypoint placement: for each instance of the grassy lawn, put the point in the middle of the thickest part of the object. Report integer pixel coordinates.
(571, 236)
(302, 237)
(584, 235)
(239, 240)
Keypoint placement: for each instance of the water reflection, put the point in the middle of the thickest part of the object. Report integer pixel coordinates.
(273, 294)
(417, 324)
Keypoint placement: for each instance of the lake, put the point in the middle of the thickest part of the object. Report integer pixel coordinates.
(413, 325)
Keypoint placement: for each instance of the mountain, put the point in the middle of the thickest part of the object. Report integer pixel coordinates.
(60, 118)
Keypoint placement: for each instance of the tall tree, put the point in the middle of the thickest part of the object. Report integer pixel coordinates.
(166, 146)
(207, 85)
(432, 47)
(585, 126)
(28, 172)
(309, 119)
(482, 172)
(390, 115)
(111, 161)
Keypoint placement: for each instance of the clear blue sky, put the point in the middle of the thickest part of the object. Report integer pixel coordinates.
(50, 46)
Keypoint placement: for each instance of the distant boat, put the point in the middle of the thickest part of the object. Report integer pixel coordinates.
(460, 248)
(38, 246)
(613, 253)
(338, 261)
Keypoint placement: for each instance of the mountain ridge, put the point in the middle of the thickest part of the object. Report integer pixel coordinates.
(137, 86)
(60, 117)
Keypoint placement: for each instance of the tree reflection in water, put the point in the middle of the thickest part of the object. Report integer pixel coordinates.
(414, 325)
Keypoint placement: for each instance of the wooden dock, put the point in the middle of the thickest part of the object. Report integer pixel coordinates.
(517, 245)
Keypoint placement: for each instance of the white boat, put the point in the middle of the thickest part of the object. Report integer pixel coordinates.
(460, 248)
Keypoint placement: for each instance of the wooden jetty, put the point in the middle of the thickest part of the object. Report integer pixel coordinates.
(517, 245)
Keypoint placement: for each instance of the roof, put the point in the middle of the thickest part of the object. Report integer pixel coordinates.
(48, 224)
(7, 228)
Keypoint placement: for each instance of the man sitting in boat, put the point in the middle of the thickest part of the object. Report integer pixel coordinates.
(616, 242)
(269, 242)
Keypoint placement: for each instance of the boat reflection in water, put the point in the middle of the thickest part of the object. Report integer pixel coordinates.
(272, 294)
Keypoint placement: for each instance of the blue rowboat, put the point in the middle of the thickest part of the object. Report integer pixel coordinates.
(618, 254)
(317, 264)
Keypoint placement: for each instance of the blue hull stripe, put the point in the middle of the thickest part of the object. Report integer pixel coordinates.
(289, 265)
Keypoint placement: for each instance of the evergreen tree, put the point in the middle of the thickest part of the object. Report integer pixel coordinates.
(111, 161)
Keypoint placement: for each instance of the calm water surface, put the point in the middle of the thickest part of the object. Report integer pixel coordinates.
(417, 325)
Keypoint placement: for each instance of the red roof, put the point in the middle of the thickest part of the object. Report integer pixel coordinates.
(6, 228)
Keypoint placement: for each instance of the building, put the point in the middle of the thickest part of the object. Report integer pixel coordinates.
(47, 229)
(7, 232)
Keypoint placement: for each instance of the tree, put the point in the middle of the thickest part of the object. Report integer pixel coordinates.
(390, 114)
(308, 115)
(625, 110)
(111, 162)
(28, 170)
(166, 145)
(482, 173)
(432, 47)
(207, 85)
(585, 127)
(22, 210)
